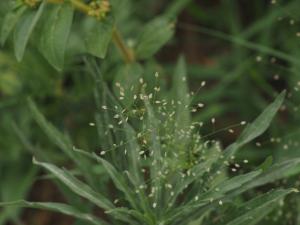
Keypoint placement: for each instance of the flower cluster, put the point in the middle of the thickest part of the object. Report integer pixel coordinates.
(99, 8)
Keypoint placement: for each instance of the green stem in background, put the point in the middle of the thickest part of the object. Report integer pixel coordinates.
(125, 51)
(81, 6)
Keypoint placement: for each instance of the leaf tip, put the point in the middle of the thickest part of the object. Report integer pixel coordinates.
(35, 161)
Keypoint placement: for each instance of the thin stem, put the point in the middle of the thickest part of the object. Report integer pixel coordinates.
(126, 52)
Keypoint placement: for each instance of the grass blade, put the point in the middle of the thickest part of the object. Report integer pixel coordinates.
(24, 29)
(56, 207)
(256, 209)
(77, 186)
(258, 126)
(55, 33)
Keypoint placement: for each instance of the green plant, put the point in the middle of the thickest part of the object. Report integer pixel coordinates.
(49, 22)
(162, 170)
(52, 31)
(246, 54)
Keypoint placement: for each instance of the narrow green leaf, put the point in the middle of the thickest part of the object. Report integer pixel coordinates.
(195, 173)
(175, 8)
(9, 22)
(119, 181)
(153, 36)
(14, 188)
(116, 177)
(57, 207)
(256, 209)
(262, 122)
(133, 152)
(181, 93)
(217, 192)
(104, 96)
(229, 185)
(277, 171)
(77, 186)
(136, 214)
(55, 135)
(267, 163)
(99, 37)
(155, 148)
(257, 127)
(55, 33)
(24, 29)
(60, 140)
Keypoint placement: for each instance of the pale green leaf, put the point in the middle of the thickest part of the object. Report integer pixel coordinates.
(116, 177)
(154, 35)
(55, 135)
(194, 174)
(9, 22)
(229, 185)
(267, 163)
(133, 153)
(256, 209)
(99, 37)
(61, 140)
(257, 127)
(181, 93)
(277, 171)
(220, 191)
(262, 122)
(25, 28)
(155, 148)
(57, 207)
(55, 32)
(136, 214)
(77, 186)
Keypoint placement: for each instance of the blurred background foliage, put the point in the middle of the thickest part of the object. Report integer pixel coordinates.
(246, 51)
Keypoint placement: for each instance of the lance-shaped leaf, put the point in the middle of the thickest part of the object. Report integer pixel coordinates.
(77, 186)
(116, 177)
(194, 174)
(133, 153)
(181, 92)
(9, 22)
(25, 28)
(258, 126)
(205, 201)
(99, 37)
(55, 32)
(134, 213)
(155, 149)
(262, 122)
(153, 36)
(229, 185)
(57, 207)
(59, 139)
(278, 171)
(254, 210)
